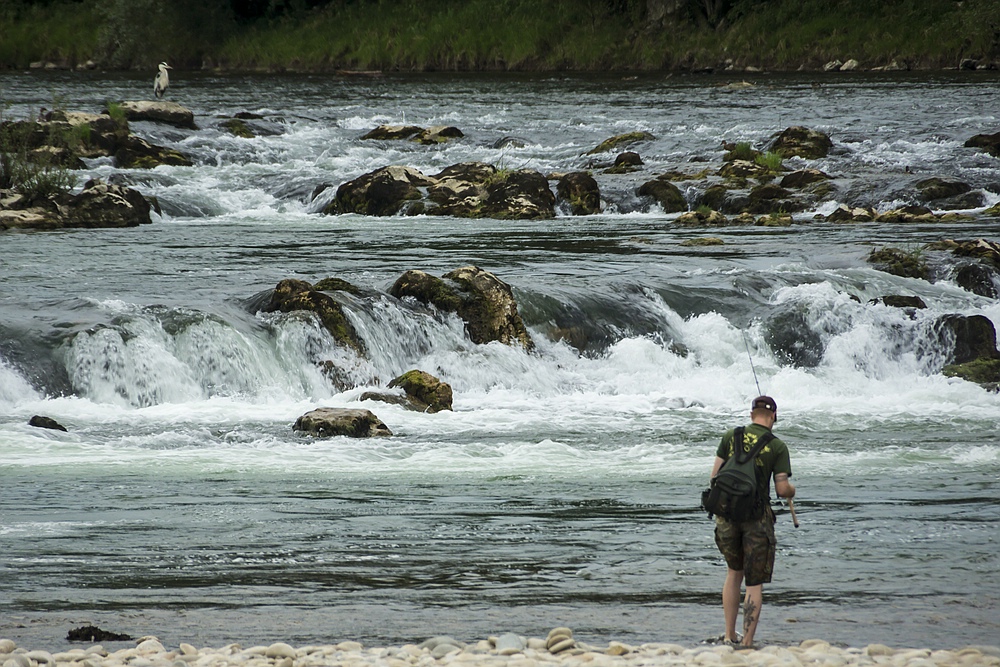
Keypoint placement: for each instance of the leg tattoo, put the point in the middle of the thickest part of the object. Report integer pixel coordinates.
(749, 615)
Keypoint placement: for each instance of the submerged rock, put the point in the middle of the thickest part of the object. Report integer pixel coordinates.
(328, 422)
(484, 302)
(931, 189)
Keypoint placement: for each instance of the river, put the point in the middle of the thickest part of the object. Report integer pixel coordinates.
(563, 487)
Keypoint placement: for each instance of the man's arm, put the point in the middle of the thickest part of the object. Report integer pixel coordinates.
(718, 464)
(782, 486)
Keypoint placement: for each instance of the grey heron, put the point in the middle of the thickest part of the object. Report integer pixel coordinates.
(162, 80)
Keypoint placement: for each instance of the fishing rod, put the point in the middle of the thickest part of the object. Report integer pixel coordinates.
(791, 505)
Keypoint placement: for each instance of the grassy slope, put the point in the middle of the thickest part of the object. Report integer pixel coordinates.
(547, 35)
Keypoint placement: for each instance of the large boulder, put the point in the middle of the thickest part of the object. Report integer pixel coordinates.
(292, 295)
(98, 205)
(581, 191)
(665, 193)
(523, 194)
(988, 142)
(803, 142)
(381, 192)
(393, 132)
(484, 302)
(425, 390)
(931, 189)
(328, 422)
(68, 135)
(136, 153)
(772, 198)
(968, 337)
(438, 134)
(159, 111)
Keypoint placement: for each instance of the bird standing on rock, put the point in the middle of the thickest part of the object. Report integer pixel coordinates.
(162, 80)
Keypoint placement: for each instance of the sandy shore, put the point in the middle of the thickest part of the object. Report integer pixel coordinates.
(559, 649)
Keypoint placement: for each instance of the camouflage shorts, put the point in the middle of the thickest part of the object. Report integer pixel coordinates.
(748, 546)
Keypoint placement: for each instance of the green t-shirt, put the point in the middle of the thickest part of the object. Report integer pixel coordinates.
(773, 458)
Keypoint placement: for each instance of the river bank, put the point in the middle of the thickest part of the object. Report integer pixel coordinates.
(507, 650)
(625, 36)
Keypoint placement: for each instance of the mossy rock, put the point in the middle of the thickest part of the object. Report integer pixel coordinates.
(427, 390)
(907, 264)
(237, 128)
(328, 422)
(802, 142)
(336, 285)
(666, 194)
(620, 141)
(985, 372)
(702, 242)
(292, 295)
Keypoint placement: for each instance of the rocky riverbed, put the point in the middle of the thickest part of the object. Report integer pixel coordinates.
(506, 650)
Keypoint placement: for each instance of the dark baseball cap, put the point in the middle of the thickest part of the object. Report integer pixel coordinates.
(764, 402)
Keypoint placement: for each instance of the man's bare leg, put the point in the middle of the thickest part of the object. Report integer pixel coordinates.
(731, 602)
(752, 603)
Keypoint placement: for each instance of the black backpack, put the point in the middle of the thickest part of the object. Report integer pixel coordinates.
(733, 493)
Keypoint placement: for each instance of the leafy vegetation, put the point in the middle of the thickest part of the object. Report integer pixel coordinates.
(324, 35)
(36, 174)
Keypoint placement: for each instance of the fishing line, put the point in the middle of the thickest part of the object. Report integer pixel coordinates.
(791, 505)
(747, 345)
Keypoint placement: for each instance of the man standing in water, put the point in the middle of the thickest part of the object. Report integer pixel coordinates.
(749, 546)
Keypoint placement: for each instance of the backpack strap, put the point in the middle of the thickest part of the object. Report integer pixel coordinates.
(743, 457)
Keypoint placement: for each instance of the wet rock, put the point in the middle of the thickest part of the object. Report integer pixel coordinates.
(968, 337)
(844, 213)
(978, 279)
(40, 421)
(900, 301)
(625, 163)
(702, 242)
(793, 342)
(621, 141)
(160, 111)
(899, 262)
(581, 191)
(981, 249)
(92, 634)
(484, 302)
(743, 169)
(98, 205)
(907, 214)
(802, 142)
(665, 193)
(291, 295)
(701, 218)
(519, 195)
(381, 192)
(931, 189)
(988, 142)
(512, 142)
(136, 153)
(329, 422)
(392, 132)
(238, 128)
(425, 389)
(438, 134)
(803, 177)
(772, 198)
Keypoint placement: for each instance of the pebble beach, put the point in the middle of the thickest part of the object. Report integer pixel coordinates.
(558, 649)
